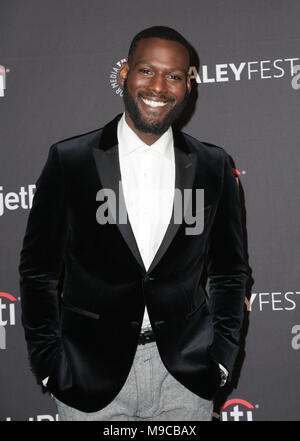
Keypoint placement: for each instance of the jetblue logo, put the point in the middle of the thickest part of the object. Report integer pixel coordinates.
(14, 200)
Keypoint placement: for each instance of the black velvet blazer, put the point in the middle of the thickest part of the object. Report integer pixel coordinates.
(84, 336)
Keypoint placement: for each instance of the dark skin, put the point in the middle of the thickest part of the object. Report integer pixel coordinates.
(157, 73)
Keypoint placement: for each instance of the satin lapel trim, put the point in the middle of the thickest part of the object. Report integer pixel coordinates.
(185, 166)
(108, 167)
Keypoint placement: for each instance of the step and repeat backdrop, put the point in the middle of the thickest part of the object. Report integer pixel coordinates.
(58, 78)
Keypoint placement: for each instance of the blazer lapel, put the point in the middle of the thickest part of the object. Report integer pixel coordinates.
(108, 167)
(185, 166)
(106, 156)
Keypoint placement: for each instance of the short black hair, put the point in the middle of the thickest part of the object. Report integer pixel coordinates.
(162, 32)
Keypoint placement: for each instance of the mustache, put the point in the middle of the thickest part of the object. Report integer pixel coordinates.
(155, 95)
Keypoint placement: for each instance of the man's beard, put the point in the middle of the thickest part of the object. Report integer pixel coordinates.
(150, 125)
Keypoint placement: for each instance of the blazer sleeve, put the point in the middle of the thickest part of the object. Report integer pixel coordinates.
(227, 271)
(40, 266)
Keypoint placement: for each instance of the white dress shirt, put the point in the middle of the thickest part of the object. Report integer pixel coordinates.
(148, 181)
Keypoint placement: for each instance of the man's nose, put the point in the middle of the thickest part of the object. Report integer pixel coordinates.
(158, 84)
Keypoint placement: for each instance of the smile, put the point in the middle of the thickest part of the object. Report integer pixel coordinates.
(154, 103)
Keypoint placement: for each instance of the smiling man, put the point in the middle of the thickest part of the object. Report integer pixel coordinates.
(134, 334)
(156, 86)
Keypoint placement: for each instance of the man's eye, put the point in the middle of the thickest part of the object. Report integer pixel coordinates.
(175, 77)
(145, 71)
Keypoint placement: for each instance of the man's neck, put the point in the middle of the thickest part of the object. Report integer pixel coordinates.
(147, 138)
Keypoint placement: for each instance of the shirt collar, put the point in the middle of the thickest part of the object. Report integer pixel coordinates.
(129, 142)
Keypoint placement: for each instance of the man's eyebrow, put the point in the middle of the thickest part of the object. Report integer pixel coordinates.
(151, 65)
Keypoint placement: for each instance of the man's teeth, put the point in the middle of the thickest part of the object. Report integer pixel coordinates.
(154, 103)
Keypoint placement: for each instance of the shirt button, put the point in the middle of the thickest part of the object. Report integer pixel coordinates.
(145, 174)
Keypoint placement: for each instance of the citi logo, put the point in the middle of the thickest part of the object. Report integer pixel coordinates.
(3, 72)
(7, 315)
(237, 410)
(39, 418)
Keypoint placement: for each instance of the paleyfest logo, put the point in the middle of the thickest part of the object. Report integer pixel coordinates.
(228, 72)
(237, 409)
(7, 315)
(113, 77)
(273, 301)
(244, 70)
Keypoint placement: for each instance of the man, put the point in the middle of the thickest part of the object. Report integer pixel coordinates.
(132, 337)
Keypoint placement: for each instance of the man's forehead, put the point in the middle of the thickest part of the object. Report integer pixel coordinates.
(150, 49)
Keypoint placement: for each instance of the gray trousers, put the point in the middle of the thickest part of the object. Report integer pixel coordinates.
(150, 393)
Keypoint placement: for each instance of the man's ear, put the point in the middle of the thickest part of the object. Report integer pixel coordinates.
(123, 72)
(188, 83)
